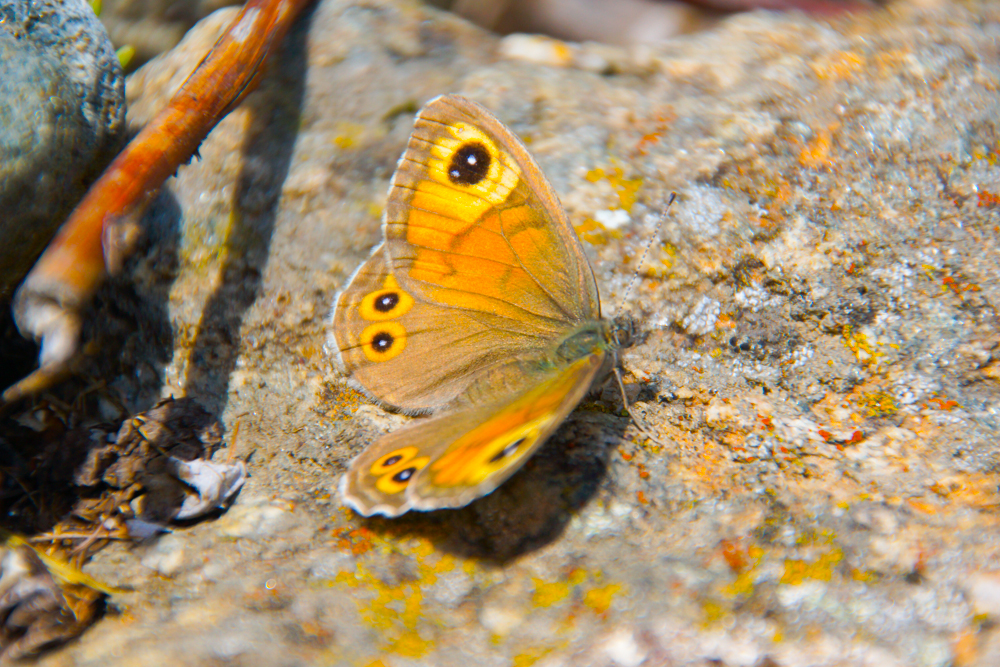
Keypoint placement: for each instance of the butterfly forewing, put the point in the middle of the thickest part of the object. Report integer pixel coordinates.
(473, 224)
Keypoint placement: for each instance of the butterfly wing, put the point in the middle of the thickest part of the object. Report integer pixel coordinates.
(480, 268)
(473, 224)
(375, 320)
(448, 461)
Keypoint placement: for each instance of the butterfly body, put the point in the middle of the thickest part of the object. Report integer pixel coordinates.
(480, 306)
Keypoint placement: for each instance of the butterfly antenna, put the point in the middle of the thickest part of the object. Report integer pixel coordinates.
(639, 422)
(645, 251)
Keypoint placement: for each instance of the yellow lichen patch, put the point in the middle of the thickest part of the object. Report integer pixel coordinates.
(348, 135)
(394, 609)
(547, 594)
(745, 563)
(579, 586)
(864, 576)
(595, 233)
(878, 403)
(599, 599)
(529, 658)
(819, 569)
(858, 343)
(626, 188)
(712, 612)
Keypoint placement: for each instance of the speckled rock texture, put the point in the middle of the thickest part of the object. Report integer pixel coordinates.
(154, 26)
(62, 118)
(820, 360)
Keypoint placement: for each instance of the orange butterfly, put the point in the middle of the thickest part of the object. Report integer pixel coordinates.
(480, 304)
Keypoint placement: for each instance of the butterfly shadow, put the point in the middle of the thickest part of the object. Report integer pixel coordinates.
(532, 508)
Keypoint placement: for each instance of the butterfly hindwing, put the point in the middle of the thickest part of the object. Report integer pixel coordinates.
(449, 460)
(416, 355)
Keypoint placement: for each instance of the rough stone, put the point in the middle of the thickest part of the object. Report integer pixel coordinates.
(825, 490)
(62, 118)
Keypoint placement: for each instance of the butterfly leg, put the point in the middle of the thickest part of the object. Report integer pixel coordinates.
(636, 419)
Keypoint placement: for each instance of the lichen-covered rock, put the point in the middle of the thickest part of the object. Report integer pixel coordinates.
(62, 118)
(820, 363)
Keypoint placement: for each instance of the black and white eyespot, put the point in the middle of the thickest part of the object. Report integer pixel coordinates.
(507, 451)
(469, 164)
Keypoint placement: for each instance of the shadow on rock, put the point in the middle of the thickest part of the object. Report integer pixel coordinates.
(532, 508)
(267, 156)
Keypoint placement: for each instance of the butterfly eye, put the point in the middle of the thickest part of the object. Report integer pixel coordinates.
(469, 164)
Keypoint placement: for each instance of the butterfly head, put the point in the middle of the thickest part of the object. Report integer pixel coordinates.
(623, 331)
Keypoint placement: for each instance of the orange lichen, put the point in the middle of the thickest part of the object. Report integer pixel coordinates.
(357, 541)
(965, 648)
(987, 198)
(839, 65)
(939, 403)
(921, 506)
(816, 153)
(744, 562)
(971, 489)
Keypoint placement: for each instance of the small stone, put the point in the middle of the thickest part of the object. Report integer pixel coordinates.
(255, 521)
(500, 619)
(166, 556)
(623, 649)
(983, 590)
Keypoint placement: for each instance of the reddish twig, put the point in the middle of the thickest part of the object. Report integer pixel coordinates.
(98, 234)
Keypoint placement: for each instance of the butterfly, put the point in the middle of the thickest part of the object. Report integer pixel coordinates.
(479, 306)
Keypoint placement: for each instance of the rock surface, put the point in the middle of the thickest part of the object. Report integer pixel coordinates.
(62, 118)
(820, 364)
